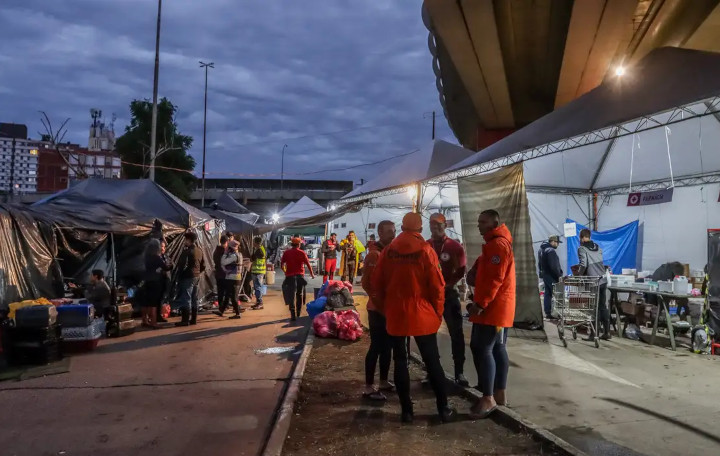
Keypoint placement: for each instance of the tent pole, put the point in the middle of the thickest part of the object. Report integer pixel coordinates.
(595, 211)
(418, 198)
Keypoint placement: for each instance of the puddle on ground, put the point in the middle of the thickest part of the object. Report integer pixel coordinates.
(274, 350)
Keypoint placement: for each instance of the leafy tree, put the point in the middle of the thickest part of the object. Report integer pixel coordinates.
(171, 148)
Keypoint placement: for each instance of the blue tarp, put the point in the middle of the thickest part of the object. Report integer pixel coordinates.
(619, 246)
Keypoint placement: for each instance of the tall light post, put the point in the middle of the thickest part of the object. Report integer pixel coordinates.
(206, 66)
(282, 171)
(153, 128)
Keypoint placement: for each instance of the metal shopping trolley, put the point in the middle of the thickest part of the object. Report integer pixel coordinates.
(576, 300)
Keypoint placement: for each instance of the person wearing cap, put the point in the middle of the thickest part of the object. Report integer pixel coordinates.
(293, 264)
(232, 265)
(492, 312)
(550, 270)
(409, 288)
(190, 267)
(453, 265)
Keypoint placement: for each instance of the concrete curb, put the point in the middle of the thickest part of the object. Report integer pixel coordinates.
(281, 426)
(513, 420)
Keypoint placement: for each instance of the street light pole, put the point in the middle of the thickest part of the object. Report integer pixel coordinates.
(153, 130)
(282, 172)
(206, 66)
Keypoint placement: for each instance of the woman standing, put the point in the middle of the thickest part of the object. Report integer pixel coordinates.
(166, 280)
(156, 269)
(233, 265)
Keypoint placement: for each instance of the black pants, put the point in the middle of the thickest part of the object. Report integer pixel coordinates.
(380, 348)
(232, 288)
(454, 321)
(431, 357)
(220, 286)
(293, 288)
(490, 357)
(350, 272)
(603, 314)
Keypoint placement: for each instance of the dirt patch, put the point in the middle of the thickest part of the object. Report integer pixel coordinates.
(331, 419)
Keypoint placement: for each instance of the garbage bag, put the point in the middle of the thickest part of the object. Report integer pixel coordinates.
(317, 306)
(325, 324)
(348, 325)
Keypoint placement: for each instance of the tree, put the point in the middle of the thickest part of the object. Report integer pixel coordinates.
(173, 165)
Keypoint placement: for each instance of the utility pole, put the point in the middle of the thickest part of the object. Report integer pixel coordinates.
(433, 130)
(282, 172)
(206, 66)
(153, 131)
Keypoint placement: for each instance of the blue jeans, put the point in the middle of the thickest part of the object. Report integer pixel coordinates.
(187, 295)
(547, 299)
(490, 357)
(258, 280)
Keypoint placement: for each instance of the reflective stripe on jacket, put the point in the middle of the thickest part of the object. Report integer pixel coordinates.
(259, 262)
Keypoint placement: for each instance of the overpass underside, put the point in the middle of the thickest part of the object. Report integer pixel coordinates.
(501, 64)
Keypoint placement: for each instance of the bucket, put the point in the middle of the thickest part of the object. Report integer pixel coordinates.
(270, 277)
(263, 290)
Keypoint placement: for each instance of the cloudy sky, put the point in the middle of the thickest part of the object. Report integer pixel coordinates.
(286, 72)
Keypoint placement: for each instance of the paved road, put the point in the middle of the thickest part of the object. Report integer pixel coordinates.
(201, 390)
(625, 398)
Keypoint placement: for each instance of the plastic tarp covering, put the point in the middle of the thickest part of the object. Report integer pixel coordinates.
(713, 310)
(619, 246)
(127, 207)
(315, 220)
(28, 269)
(504, 191)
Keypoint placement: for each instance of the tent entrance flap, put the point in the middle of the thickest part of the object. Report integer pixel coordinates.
(504, 191)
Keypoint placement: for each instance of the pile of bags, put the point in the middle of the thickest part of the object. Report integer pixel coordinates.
(344, 325)
(333, 295)
(333, 312)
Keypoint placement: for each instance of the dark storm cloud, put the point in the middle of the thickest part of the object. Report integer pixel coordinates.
(284, 69)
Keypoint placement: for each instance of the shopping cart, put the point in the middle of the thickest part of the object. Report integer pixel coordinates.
(576, 300)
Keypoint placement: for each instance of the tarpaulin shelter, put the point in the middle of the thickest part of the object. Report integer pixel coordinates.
(654, 128)
(317, 219)
(102, 223)
(229, 205)
(300, 209)
(27, 257)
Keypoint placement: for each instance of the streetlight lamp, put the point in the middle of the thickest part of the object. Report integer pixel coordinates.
(153, 128)
(206, 66)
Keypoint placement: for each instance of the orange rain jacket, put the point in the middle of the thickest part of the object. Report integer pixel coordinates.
(495, 280)
(369, 265)
(408, 286)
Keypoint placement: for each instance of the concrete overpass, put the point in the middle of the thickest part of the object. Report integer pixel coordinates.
(501, 64)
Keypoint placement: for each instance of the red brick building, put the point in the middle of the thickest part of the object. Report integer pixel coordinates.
(54, 174)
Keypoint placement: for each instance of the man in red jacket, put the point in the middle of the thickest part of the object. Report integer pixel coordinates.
(453, 264)
(492, 312)
(293, 264)
(409, 288)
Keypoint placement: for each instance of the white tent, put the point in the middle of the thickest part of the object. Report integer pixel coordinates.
(302, 208)
(656, 127)
(425, 162)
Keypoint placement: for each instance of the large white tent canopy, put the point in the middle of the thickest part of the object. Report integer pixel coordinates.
(656, 126)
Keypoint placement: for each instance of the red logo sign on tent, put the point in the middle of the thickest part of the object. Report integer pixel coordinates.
(634, 199)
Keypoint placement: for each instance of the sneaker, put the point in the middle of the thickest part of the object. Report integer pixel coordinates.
(606, 336)
(235, 317)
(258, 306)
(461, 380)
(218, 313)
(448, 414)
(407, 417)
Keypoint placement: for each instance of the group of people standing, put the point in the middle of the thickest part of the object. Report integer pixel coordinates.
(412, 285)
(351, 250)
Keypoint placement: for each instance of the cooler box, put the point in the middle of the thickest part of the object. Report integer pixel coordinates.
(36, 316)
(75, 315)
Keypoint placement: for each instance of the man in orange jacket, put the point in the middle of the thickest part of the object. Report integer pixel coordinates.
(492, 312)
(380, 341)
(410, 289)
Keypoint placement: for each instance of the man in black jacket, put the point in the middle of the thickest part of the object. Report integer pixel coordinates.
(219, 271)
(550, 270)
(191, 266)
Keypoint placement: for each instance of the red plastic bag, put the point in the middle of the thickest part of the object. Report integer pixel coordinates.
(325, 324)
(348, 325)
(165, 311)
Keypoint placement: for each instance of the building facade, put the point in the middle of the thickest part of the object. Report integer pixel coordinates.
(18, 160)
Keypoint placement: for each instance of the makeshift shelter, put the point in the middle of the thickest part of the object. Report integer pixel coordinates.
(595, 159)
(301, 209)
(229, 205)
(105, 224)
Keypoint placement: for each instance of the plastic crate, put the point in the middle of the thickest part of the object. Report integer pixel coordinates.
(36, 316)
(74, 315)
